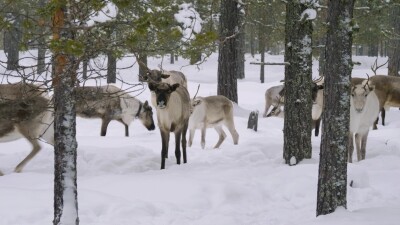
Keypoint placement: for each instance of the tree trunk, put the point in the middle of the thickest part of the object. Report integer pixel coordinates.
(65, 146)
(172, 58)
(298, 81)
(332, 177)
(13, 38)
(241, 48)
(85, 62)
(394, 42)
(111, 68)
(142, 69)
(41, 62)
(227, 57)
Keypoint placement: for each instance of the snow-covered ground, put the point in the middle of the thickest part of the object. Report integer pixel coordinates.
(120, 181)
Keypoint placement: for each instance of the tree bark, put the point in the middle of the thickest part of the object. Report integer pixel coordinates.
(298, 81)
(227, 57)
(332, 177)
(13, 38)
(394, 42)
(142, 69)
(65, 146)
(111, 68)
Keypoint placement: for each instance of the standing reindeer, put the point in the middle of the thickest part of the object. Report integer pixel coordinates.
(173, 111)
(364, 109)
(387, 88)
(25, 112)
(111, 103)
(212, 111)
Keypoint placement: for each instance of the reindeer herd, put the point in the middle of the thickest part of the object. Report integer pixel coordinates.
(26, 111)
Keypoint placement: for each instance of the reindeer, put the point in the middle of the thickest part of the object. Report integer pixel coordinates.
(364, 109)
(173, 111)
(387, 88)
(273, 97)
(170, 77)
(317, 98)
(25, 112)
(212, 111)
(111, 103)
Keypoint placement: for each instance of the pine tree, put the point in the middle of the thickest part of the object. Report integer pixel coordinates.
(332, 178)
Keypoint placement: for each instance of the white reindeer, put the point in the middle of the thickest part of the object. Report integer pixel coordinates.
(364, 109)
(212, 111)
(25, 112)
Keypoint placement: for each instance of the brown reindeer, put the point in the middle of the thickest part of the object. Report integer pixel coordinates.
(212, 111)
(25, 112)
(387, 88)
(173, 111)
(111, 103)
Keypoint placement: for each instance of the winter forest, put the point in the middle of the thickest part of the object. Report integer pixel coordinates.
(226, 112)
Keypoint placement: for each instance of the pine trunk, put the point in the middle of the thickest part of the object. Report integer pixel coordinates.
(13, 38)
(65, 146)
(332, 178)
(228, 63)
(298, 81)
(111, 68)
(394, 43)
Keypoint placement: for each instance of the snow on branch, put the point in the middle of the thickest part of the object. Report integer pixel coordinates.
(190, 20)
(107, 13)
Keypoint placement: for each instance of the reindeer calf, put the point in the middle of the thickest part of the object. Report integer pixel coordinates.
(173, 111)
(25, 112)
(212, 111)
(111, 103)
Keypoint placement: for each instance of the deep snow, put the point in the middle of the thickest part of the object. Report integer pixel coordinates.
(119, 180)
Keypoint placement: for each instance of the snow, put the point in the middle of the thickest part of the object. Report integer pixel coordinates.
(107, 13)
(189, 19)
(120, 181)
(308, 14)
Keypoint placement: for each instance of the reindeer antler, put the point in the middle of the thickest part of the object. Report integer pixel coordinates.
(198, 87)
(375, 66)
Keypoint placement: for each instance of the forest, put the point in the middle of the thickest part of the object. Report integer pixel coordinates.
(329, 70)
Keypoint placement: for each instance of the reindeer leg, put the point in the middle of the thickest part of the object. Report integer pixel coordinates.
(35, 150)
(184, 131)
(104, 125)
(267, 105)
(222, 135)
(164, 150)
(126, 128)
(178, 147)
(317, 125)
(351, 148)
(383, 114)
(203, 136)
(231, 127)
(358, 146)
(191, 136)
(364, 145)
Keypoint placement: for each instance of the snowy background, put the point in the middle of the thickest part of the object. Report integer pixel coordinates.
(120, 181)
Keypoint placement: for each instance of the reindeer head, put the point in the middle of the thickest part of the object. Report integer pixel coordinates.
(155, 76)
(277, 108)
(152, 75)
(163, 92)
(146, 116)
(359, 95)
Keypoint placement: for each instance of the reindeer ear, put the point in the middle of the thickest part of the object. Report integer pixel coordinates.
(196, 102)
(165, 76)
(173, 87)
